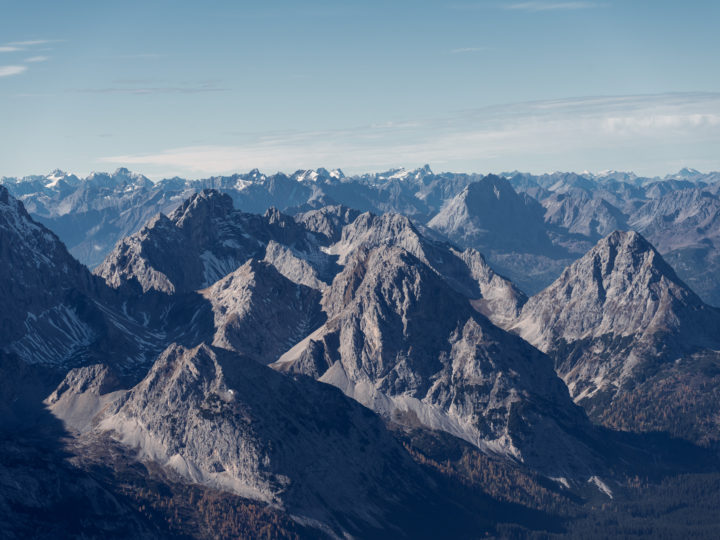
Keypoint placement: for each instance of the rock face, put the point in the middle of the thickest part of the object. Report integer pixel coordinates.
(489, 215)
(54, 311)
(684, 225)
(505, 226)
(314, 270)
(499, 300)
(200, 242)
(403, 342)
(618, 321)
(328, 221)
(467, 272)
(36, 272)
(221, 420)
(260, 313)
(582, 214)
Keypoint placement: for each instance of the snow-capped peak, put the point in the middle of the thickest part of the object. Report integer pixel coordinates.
(54, 177)
(255, 174)
(399, 173)
(314, 175)
(686, 173)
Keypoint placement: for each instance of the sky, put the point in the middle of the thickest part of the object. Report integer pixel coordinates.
(194, 88)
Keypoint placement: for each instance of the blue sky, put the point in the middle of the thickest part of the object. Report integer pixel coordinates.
(198, 88)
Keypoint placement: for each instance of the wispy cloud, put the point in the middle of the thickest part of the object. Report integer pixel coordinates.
(33, 42)
(7, 71)
(631, 132)
(550, 6)
(468, 50)
(28, 45)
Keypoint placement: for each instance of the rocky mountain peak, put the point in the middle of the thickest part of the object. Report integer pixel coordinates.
(122, 171)
(328, 221)
(199, 243)
(121, 178)
(196, 367)
(625, 252)
(256, 175)
(625, 259)
(4, 195)
(369, 230)
(260, 313)
(388, 272)
(624, 329)
(276, 217)
(389, 223)
(202, 206)
(622, 286)
(54, 311)
(220, 420)
(489, 214)
(491, 185)
(33, 261)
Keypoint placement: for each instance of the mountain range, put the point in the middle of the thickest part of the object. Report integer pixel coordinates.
(568, 212)
(401, 354)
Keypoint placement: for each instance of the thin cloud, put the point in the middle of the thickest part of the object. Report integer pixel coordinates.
(577, 133)
(551, 6)
(10, 49)
(468, 50)
(33, 42)
(7, 71)
(37, 59)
